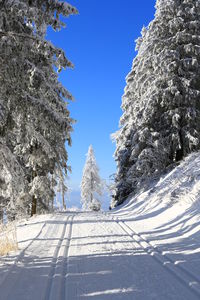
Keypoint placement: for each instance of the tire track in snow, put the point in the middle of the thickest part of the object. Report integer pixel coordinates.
(22, 253)
(55, 288)
(65, 262)
(154, 249)
(184, 276)
(13, 276)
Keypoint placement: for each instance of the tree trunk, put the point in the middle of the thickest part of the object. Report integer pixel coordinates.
(52, 204)
(180, 153)
(52, 201)
(1, 216)
(63, 200)
(34, 199)
(92, 188)
(34, 206)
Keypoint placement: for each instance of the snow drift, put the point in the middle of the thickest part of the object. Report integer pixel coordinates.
(167, 214)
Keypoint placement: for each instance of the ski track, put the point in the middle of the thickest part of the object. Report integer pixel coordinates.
(184, 275)
(77, 256)
(14, 276)
(56, 285)
(22, 253)
(13, 270)
(120, 254)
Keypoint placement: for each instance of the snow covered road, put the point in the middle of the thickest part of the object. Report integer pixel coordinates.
(90, 256)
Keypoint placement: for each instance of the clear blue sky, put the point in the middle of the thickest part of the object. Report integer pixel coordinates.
(100, 43)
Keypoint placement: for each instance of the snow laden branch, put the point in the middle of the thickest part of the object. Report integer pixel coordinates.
(160, 124)
(35, 122)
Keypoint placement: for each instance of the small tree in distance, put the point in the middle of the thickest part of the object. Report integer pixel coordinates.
(91, 184)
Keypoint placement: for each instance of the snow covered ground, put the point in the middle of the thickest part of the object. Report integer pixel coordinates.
(149, 248)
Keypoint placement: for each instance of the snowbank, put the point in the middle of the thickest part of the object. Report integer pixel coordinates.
(181, 185)
(168, 213)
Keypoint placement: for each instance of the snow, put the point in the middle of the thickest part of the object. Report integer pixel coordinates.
(146, 249)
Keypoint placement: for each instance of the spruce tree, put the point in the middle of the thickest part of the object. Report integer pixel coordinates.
(91, 184)
(160, 124)
(34, 119)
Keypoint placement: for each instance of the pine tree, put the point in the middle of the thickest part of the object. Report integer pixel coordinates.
(160, 124)
(34, 118)
(91, 184)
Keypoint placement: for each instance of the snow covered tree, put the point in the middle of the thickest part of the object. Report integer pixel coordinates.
(91, 184)
(161, 110)
(34, 120)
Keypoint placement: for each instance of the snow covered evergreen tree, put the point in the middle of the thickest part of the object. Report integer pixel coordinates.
(91, 184)
(161, 110)
(34, 119)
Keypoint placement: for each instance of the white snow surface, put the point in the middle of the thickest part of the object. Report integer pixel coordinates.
(149, 248)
